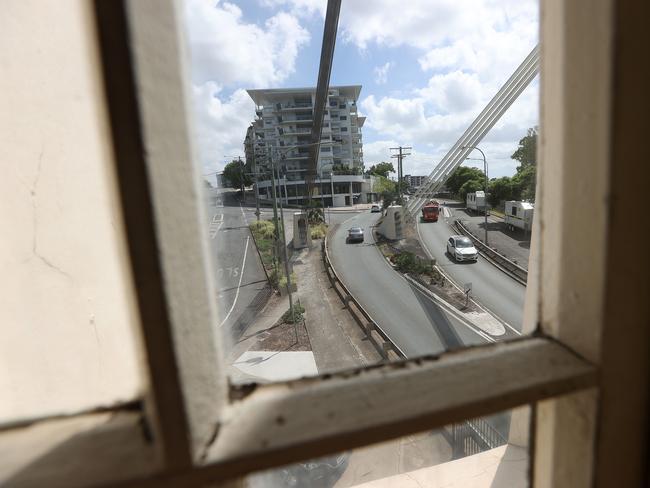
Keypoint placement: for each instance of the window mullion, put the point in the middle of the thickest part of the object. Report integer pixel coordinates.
(143, 61)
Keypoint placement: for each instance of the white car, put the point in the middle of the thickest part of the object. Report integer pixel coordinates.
(461, 249)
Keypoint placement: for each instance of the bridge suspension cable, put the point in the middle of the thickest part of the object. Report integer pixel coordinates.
(490, 115)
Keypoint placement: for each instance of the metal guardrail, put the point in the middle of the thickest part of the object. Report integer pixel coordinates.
(509, 267)
(474, 436)
(467, 438)
(382, 342)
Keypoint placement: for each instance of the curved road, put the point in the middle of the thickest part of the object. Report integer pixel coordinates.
(414, 323)
(490, 287)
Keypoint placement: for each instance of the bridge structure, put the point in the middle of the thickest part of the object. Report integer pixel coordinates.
(488, 117)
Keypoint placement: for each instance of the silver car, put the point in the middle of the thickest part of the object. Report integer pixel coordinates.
(461, 249)
(355, 234)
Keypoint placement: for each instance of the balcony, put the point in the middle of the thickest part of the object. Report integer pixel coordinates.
(295, 132)
(295, 106)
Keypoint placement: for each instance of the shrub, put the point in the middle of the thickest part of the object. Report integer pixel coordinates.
(407, 262)
(282, 281)
(298, 310)
(318, 231)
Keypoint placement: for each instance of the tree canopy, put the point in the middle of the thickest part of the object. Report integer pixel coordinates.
(381, 169)
(234, 172)
(526, 152)
(383, 184)
(521, 186)
(465, 179)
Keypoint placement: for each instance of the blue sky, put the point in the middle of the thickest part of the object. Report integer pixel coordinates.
(427, 68)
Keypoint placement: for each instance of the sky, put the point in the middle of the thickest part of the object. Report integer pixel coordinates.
(427, 68)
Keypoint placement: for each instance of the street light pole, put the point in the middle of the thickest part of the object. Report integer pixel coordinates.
(485, 170)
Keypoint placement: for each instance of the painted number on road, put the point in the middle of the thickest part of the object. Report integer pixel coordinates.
(230, 272)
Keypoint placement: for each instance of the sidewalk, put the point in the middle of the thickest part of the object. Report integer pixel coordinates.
(336, 339)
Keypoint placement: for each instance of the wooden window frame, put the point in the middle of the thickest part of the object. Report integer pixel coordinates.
(194, 428)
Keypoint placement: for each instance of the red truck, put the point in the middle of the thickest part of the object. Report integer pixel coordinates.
(430, 211)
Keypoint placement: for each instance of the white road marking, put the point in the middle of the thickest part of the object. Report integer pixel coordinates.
(215, 225)
(241, 276)
(243, 213)
(479, 305)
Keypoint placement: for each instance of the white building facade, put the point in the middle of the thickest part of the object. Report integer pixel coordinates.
(279, 137)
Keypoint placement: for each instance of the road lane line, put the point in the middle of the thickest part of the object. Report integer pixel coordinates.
(241, 276)
(446, 275)
(213, 231)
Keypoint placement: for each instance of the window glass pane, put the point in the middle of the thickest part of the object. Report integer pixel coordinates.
(485, 452)
(400, 287)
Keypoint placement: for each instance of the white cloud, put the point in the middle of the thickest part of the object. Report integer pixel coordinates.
(220, 126)
(381, 73)
(303, 8)
(453, 92)
(377, 151)
(228, 52)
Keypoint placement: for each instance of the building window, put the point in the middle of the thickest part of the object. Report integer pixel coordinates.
(343, 117)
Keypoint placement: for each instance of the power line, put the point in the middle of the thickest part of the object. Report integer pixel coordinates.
(400, 157)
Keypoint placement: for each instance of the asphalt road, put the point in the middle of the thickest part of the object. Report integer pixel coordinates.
(240, 278)
(412, 321)
(492, 288)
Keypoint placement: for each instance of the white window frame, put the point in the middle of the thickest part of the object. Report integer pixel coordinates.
(193, 428)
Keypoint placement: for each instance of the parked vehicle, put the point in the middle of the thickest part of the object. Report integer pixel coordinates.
(375, 209)
(519, 215)
(430, 211)
(461, 249)
(476, 201)
(355, 234)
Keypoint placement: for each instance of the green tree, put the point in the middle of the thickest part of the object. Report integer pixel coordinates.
(525, 178)
(235, 173)
(526, 153)
(342, 169)
(524, 182)
(470, 186)
(381, 169)
(501, 189)
(462, 175)
(383, 184)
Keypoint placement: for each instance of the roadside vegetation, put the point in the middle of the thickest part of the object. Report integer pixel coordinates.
(264, 235)
(296, 317)
(520, 186)
(424, 271)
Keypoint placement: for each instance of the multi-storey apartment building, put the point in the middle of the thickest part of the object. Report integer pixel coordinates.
(279, 138)
(414, 181)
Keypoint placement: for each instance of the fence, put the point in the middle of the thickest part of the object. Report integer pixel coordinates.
(474, 436)
(466, 438)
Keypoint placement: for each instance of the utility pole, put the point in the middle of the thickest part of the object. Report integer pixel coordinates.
(255, 188)
(400, 156)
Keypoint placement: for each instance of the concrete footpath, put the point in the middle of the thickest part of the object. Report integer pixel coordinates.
(336, 339)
